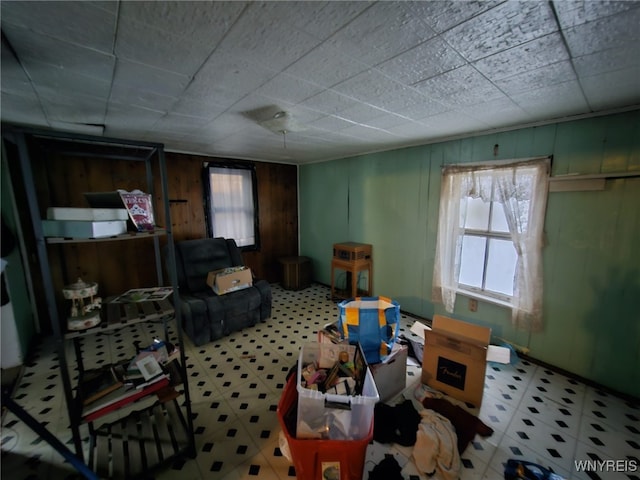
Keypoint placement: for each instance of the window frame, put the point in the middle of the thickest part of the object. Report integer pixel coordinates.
(206, 184)
(488, 234)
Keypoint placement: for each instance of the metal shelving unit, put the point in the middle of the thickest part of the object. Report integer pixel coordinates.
(170, 423)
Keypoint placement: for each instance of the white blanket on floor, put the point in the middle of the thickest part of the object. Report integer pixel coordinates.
(436, 448)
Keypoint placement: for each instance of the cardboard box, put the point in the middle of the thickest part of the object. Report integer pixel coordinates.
(455, 358)
(230, 279)
(391, 375)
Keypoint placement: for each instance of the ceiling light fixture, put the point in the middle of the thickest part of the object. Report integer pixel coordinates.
(275, 119)
(281, 122)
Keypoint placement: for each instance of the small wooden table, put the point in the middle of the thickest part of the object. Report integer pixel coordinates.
(296, 272)
(353, 258)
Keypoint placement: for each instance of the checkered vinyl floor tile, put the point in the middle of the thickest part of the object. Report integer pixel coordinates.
(235, 383)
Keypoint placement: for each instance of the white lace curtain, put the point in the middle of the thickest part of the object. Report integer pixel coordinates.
(521, 187)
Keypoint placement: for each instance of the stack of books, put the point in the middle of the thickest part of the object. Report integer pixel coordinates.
(108, 388)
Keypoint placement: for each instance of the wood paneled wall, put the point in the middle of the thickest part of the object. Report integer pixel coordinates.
(117, 266)
(277, 206)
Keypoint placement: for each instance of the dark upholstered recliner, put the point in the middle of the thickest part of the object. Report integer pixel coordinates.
(207, 316)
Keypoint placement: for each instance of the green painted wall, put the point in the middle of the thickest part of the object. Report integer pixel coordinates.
(591, 260)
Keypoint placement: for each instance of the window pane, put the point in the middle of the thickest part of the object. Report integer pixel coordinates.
(232, 205)
(472, 261)
(498, 218)
(501, 266)
(477, 214)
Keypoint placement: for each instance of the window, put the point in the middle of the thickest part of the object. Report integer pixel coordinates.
(488, 257)
(490, 233)
(231, 204)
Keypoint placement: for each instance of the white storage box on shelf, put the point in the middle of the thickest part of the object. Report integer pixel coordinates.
(83, 229)
(87, 214)
(333, 416)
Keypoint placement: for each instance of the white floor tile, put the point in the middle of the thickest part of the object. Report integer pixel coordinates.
(236, 382)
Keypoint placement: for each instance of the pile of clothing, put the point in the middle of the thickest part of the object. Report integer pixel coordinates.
(439, 433)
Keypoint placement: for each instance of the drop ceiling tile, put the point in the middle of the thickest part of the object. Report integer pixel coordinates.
(536, 79)
(363, 113)
(259, 36)
(321, 138)
(22, 109)
(14, 78)
(19, 85)
(331, 123)
(168, 137)
(267, 145)
(498, 113)
(154, 80)
(370, 135)
(376, 89)
(441, 16)
(228, 124)
(524, 58)
(369, 86)
(80, 109)
(599, 93)
(130, 119)
(182, 145)
(604, 34)
(411, 130)
(451, 123)
(326, 65)
(179, 124)
(174, 36)
(501, 28)
(142, 43)
(87, 129)
(311, 136)
(197, 107)
(202, 22)
(412, 104)
(305, 115)
(419, 79)
(459, 87)
(229, 72)
(320, 19)
(285, 87)
(65, 82)
(606, 61)
(424, 61)
(389, 121)
(576, 12)
(329, 102)
(382, 31)
(553, 101)
(59, 54)
(73, 16)
(212, 93)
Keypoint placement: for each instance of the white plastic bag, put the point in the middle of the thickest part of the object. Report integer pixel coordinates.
(284, 446)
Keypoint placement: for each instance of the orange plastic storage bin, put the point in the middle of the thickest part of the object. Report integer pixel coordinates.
(320, 459)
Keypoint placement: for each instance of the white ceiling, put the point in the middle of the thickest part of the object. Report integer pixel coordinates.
(355, 77)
